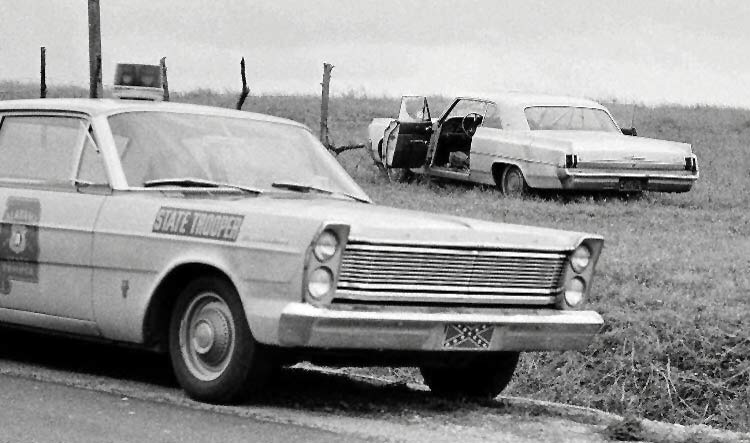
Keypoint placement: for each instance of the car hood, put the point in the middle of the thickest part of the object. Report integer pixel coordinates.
(370, 222)
(592, 146)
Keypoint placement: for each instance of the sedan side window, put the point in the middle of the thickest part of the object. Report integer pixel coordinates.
(40, 148)
(493, 118)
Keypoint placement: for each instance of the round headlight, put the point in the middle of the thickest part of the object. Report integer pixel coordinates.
(574, 291)
(326, 246)
(580, 258)
(320, 283)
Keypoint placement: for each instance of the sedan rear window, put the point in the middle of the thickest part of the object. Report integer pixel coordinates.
(568, 118)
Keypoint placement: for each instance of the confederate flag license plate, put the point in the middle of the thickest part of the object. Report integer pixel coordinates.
(468, 336)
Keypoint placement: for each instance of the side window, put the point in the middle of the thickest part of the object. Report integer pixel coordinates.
(414, 109)
(493, 118)
(91, 169)
(43, 148)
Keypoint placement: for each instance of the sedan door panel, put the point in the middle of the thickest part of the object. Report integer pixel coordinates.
(406, 144)
(46, 265)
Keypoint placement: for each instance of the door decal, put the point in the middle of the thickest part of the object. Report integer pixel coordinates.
(19, 242)
(202, 224)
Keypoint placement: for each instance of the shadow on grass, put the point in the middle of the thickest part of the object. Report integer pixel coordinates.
(546, 195)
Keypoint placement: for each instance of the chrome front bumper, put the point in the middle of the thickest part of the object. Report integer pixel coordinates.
(592, 180)
(431, 329)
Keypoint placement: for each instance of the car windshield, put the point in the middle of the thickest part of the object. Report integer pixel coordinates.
(569, 118)
(181, 149)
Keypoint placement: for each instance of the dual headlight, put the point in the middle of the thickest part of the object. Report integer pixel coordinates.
(575, 289)
(325, 247)
(320, 283)
(320, 278)
(580, 259)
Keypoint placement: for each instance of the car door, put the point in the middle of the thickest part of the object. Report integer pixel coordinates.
(454, 132)
(406, 140)
(48, 213)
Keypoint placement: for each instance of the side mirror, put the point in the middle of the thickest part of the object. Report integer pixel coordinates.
(629, 131)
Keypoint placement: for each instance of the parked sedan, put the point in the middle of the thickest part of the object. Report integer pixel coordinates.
(236, 243)
(521, 142)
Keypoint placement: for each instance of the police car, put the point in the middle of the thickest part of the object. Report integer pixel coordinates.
(236, 243)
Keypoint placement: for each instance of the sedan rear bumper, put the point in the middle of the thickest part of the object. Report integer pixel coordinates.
(431, 329)
(593, 180)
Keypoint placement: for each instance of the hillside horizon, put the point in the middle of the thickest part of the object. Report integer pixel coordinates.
(30, 89)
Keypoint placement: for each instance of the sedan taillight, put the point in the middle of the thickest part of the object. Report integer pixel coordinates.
(691, 164)
(571, 160)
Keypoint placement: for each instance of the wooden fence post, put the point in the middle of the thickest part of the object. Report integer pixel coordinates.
(327, 68)
(245, 88)
(164, 82)
(95, 50)
(43, 72)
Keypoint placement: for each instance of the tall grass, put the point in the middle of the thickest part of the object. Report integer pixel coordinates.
(673, 282)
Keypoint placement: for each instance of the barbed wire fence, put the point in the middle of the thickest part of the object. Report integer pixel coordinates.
(355, 157)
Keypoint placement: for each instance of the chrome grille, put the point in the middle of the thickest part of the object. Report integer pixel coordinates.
(372, 272)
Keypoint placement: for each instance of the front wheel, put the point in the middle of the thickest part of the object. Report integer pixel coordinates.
(399, 175)
(481, 378)
(214, 355)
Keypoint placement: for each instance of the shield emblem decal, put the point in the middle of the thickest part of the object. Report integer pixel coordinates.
(17, 242)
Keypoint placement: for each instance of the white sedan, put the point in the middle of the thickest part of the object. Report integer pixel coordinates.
(521, 142)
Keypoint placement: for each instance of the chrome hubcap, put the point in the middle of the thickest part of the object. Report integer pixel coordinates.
(207, 336)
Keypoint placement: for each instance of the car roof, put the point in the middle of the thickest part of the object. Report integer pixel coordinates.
(522, 99)
(106, 106)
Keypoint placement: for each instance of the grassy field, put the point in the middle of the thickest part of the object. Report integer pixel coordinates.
(673, 283)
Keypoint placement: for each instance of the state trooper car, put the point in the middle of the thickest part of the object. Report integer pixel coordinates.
(236, 243)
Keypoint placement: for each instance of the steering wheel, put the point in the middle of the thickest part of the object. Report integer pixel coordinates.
(475, 120)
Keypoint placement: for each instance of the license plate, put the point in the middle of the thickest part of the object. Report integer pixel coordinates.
(468, 336)
(632, 184)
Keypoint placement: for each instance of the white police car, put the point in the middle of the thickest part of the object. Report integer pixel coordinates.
(236, 242)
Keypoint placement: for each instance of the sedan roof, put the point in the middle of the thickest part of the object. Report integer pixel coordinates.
(525, 99)
(96, 107)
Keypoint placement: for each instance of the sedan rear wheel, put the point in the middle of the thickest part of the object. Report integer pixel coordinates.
(482, 378)
(512, 182)
(214, 355)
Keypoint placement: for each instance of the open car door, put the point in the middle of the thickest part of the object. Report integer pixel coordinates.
(406, 139)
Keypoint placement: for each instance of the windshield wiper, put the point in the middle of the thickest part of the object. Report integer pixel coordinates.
(190, 182)
(299, 187)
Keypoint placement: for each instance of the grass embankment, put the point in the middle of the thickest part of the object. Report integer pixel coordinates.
(673, 282)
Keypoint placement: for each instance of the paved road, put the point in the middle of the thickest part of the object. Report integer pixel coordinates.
(35, 411)
(62, 390)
